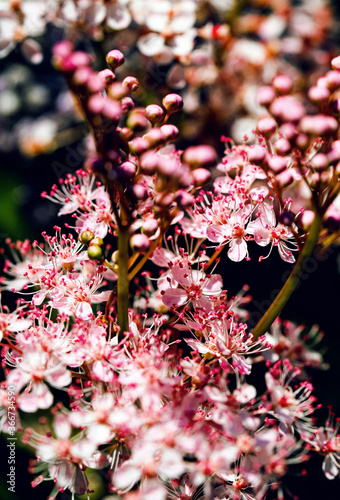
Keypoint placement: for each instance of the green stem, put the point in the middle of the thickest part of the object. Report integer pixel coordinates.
(286, 291)
(123, 280)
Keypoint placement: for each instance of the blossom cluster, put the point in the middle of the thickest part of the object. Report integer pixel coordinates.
(146, 375)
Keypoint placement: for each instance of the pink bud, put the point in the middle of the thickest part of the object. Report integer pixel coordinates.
(184, 199)
(95, 84)
(318, 125)
(127, 104)
(126, 171)
(112, 110)
(319, 95)
(285, 178)
(287, 108)
(278, 164)
(62, 49)
(140, 243)
(334, 154)
(305, 219)
(282, 146)
(138, 192)
(200, 156)
(283, 84)
(336, 62)
(319, 161)
(333, 80)
(200, 177)
(131, 83)
(256, 154)
(265, 95)
(172, 103)
(74, 61)
(137, 121)
(154, 113)
(332, 218)
(170, 132)
(302, 141)
(138, 145)
(96, 104)
(117, 91)
(267, 126)
(114, 59)
(149, 163)
(150, 227)
(82, 75)
(288, 130)
(107, 76)
(155, 137)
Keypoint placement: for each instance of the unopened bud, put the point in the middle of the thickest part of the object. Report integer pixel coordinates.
(283, 84)
(172, 103)
(285, 178)
(140, 243)
(265, 95)
(267, 127)
(107, 76)
(138, 192)
(86, 237)
(319, 95)
(138, 146)
(127, 104)
(155, 137)
(184, 199)
(305, 219)
(200, 177)
(319, 162)
(278, 164)
(95, 252)
(336, 62)
(136, 120)
(115, 59)
(97, 241)
(256, 154)
(154, 113)
(170, 132)
(332, 218)
(150, 227)
(200, 156)
(282, 146)
(286, 218)
(131, 83)
(149, 163)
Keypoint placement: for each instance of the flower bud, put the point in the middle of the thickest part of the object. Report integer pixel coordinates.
(117, 91)
(107, 76)
(282, 146)
(336, 62)
(319, 95)
(126, 171)
(333, 80)
(267, 127)
(318, 125)
(278, 164)
(95, 84)
(136, 120)
(114, 59)
(200, 177)
(256, 154)
(170, 132)
(140, 243)
(74, 61)
(332, 218)
(154, 113)
(86, 237)
(283, 84)
(127, 104)
(138, 146)
(172, 103)
(97, 241)
(265, 95)
(285, 178)
(200, 156)
(319, 162)
(95, 252)
(82, 76)
(305, 219)
(112, 110)
(131, 83)
(286, 218)
(96, 104)
(288, 130)
(149, 163)
(287, 109)
(155, 137)
(138, 192)
(150, 227)
(184, 199)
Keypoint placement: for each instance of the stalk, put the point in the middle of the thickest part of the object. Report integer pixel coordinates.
(123, 280)
(288, 288)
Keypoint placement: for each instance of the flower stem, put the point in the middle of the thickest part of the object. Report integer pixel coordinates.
(123, 280)
(286, 291)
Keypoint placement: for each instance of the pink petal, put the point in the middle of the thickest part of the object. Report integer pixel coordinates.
(174, 297)
(83, 310)
(237, 250)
